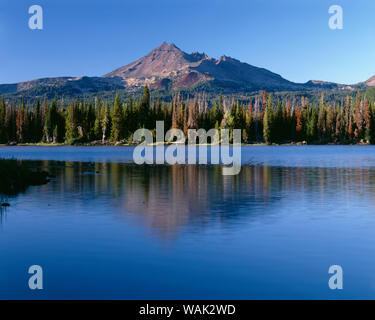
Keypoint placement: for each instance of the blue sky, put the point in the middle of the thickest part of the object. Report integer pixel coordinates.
(289, 37)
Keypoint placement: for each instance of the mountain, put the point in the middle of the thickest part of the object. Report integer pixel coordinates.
(169, 68)
(370, 82)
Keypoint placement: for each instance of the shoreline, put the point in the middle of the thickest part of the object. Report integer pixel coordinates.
(119, 144)
(16, 177)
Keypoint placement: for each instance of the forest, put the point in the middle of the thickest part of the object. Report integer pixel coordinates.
(263, 119)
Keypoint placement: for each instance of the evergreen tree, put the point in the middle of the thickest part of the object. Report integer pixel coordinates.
(144, 109)
(21, 122)
(105, 122)
(2, 121)
(98, 120)
(117, 120)
(71, 132)
(267, 121)
(89, 122)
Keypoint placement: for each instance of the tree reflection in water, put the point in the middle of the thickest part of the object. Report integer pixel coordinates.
(166, 198)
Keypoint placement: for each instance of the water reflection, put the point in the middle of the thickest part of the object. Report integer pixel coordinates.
(166, 198)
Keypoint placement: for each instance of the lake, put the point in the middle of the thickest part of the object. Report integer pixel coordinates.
(105, 228)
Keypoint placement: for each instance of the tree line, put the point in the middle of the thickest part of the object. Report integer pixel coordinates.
(262, 119)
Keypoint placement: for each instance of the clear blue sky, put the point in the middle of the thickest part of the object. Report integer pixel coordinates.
(93, 37)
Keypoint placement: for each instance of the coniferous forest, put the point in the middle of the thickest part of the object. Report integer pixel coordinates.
(263, 119)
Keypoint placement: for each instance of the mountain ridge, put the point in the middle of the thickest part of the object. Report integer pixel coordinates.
(168, 68)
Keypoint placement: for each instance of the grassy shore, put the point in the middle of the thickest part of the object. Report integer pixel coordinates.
(16, 177)
(118, 144)
(125, 144)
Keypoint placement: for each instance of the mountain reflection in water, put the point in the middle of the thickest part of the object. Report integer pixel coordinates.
(166, 198)
(116, 230)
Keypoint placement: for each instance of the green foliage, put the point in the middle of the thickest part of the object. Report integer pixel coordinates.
(370, 94)
(144, 108)
(71, 123)
(348, 120)
(117, 120)
(2, 121)
(267, 122)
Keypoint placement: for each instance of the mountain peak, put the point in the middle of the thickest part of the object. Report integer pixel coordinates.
(166, 47)
(167, 66)
(159, 63)
(370, 82)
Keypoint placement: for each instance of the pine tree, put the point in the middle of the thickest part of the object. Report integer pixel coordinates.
(192, 122)
(215, 114)
(144, 109)
(367, 122)
(2, 121)
(267, 121)
(250, 123)
(358, 133)
(10, 123)
(330, 117)
(21, 122)
(311, 126)
(105, 121)
(174, 114)
(89, 122)
(37, 123)
(97, 124)
(321, 126)
(339, 125)
(264, 101)
(228, 120)
(278, 129)
(71, 132)
(51, 123)
(117, 120)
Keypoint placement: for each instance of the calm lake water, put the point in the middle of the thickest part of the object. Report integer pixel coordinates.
(105, 228)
